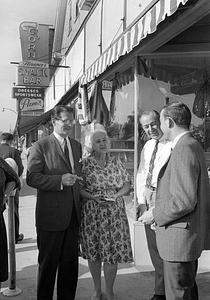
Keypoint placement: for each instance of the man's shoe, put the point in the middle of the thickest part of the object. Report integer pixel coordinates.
(158, 297)
(20, 238)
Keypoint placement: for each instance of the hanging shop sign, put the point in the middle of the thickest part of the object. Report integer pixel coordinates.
(30, 100)
(27, 104)
(33, 73)
(34, 41)
(32, 93)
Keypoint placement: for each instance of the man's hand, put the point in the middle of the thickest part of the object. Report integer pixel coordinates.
(149, 197)
(140, 210)
(147, 217)
(68, 179)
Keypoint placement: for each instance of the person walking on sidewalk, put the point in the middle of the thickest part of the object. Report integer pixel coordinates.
(7, 174)
(7, 151)
(153, 156)
(182, 206)
(54, 168)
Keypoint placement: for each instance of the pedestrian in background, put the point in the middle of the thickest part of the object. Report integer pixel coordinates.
(7, 174)
(8, 151)
(154, 155)
(105, 236)
(29, 148)
(54, 168)
(182, 206)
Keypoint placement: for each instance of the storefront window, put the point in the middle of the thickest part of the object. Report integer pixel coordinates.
(121, 126)
(185, 78)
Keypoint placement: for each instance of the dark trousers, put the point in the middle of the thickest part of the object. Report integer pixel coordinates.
(58, 254)
(16, 213)
(3, 250)
(180, 281)
(156, 260)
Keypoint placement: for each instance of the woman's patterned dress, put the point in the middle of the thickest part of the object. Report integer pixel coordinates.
(104, 230)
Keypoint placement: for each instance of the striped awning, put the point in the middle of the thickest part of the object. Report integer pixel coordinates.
(132, 37)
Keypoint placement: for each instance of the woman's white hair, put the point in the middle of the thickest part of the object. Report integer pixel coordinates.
(98, 128)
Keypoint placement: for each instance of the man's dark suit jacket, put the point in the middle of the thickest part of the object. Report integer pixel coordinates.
(182, 208)
(7, 151)
(46, 165)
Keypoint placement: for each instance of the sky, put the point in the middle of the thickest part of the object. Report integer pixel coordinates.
(12, 13)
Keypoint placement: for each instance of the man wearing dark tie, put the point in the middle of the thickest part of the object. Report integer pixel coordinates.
(153, 156)
(182, 206)
(54, 168)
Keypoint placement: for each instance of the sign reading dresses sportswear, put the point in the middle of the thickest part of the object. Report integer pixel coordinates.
(30, 100)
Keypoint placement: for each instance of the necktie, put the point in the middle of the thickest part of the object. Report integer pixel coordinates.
(151, 165)
(66, 152)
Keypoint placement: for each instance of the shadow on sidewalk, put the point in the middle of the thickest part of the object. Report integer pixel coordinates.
(133, 286)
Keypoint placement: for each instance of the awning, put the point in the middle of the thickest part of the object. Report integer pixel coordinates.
(132, 37)
(29, 124)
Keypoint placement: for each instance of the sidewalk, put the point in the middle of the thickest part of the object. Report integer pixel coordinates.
(132, 283)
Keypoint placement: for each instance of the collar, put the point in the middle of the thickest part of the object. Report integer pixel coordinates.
(162, 140)
(59, 138)
(177, 138)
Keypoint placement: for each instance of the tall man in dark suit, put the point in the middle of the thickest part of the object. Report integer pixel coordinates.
(182, 205)
(7, 151)
(54, 169)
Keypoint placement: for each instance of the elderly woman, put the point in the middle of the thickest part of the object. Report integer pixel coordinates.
(6, 175)
(104, 231)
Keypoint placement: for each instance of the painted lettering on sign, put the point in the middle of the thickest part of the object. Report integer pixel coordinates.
(31, 30)
(33, 93)
(31, 104)
(33, 73)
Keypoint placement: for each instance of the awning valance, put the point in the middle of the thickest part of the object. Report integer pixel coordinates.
(132, 37)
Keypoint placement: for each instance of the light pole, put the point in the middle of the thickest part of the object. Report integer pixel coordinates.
(5, 108)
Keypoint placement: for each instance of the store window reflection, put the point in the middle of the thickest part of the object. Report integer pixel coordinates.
(188, 78)
(121, 126)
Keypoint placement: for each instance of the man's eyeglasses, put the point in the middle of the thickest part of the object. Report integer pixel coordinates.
(67, 121)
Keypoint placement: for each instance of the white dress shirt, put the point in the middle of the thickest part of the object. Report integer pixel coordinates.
(162, 155)
(61, 142)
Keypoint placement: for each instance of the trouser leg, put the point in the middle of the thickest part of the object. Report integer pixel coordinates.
(3, 250)
(68, 265)
(180, 281)
(156, 260)
(49, 246)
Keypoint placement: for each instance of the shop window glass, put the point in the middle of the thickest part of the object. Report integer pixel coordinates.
(121, 127)
(188, 80)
